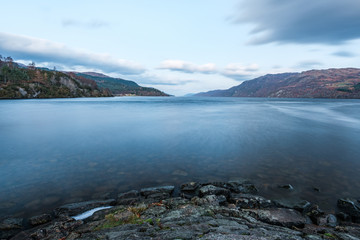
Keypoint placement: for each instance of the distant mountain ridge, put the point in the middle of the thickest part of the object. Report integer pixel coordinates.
(329, 83)
(20, 81)
(119, 86)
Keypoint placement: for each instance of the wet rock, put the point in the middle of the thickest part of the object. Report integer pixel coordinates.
(11, 223)
(287, 186)
(327, 220)
(212, 190)
(189, 187)
(128, 198)
(280, 216)
(343, 216)
(80, 207)
(242, 186)
(297, 204)
(314, 212)
(248, 201)
(349, 206)
(211, 200)
(151, 191)
(41, 219)
(10, 227)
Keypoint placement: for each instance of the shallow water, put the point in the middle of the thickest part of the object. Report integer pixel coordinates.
(59, 151)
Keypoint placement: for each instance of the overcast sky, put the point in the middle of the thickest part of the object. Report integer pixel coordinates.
(185, 46)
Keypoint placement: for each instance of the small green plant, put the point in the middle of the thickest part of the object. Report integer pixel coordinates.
(329, 235)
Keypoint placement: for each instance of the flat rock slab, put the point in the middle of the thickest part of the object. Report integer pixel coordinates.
(80, 207)
(213, 190)
(156, 190)
(280, 216)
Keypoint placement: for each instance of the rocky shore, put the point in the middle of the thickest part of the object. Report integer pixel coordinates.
(217, 210)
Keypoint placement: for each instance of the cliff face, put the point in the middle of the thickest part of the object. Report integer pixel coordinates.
(17, 82)
(330, 83)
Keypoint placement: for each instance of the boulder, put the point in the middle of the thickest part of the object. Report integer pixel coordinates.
(248, 201)
(349, 206)
(280, 216)
(327, 220)
(297, 204)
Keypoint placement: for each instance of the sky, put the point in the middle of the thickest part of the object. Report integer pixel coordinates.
(186, 46)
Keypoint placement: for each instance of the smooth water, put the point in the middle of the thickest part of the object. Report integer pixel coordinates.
(67, 150)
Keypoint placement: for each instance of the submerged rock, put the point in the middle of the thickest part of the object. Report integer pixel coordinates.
(11, 223)
(40, 219)
(166, 190)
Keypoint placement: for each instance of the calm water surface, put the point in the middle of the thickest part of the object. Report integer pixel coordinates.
(66, 150)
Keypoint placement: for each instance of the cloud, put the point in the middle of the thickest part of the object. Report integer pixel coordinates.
(301, 21)
(344, 54)
(239, 72)
(308, 64)
(187, 67)
(160, 79)
(41, 50)
(95, 23)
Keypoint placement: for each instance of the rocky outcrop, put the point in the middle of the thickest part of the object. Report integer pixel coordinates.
(216, 211)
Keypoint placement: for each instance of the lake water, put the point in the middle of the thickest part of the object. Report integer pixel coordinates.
(59, 151)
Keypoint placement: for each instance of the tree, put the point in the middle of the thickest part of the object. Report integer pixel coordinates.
(9, 61)
(32, 65)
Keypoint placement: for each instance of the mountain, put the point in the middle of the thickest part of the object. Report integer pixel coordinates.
(118, 86)
(17, 81)
(329, 83)
(20, 81)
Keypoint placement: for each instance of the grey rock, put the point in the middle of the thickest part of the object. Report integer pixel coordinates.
(248, 201)
(40, 219)
(280, 216)
(349, 206)
(128, 198)
(150, 191)
(130, 194)
(189, 187)
(207, 200)
(213, 190)
(80, 207)
(296, 204)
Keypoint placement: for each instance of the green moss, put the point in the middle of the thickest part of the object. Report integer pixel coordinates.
(329, 235)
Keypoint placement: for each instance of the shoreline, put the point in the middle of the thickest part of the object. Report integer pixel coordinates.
(152, 212)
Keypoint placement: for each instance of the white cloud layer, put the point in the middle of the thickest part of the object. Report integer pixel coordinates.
(41, 50)
(239, 71)
(187, 67)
